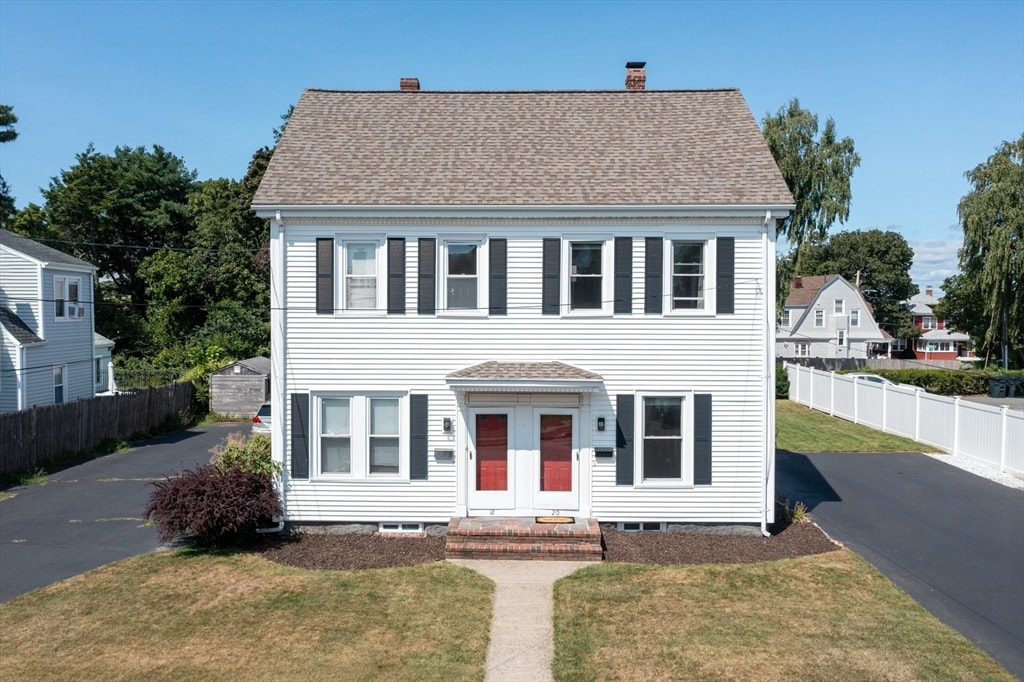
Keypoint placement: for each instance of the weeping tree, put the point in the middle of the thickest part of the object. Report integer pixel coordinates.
(986, 298)
(817, 170)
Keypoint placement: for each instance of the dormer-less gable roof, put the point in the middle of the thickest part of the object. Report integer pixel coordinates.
(535, 148)
(42, 254)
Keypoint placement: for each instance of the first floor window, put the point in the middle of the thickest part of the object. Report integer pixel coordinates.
(841, 338)
(360, 283)
(585, 269)
(360, 436)
(687, 275)
(59, 379)
(663, 438)
(803, 350)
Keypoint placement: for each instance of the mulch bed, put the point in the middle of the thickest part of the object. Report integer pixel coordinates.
(353, 551)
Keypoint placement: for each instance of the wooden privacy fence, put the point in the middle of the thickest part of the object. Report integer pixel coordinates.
(31, 437)
(992, 435)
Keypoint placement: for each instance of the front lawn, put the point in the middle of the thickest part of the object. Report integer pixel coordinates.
(824, 617)
(189, 615)
(801, 429)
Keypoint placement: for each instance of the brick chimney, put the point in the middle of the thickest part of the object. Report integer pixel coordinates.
(798, 282)
(409, 84)
(636, 76)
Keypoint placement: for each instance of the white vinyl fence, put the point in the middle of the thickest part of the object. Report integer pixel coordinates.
(992, 435)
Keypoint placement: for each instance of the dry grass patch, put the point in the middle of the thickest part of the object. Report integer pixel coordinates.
(197, 616)
(824, 617)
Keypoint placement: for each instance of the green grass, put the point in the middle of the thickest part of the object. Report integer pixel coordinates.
(823, 617)
(190, 615)
(801, 429)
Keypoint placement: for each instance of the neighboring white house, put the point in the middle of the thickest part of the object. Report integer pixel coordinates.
(103, 365)
(46, 316)
(523, 303)
(827, 317)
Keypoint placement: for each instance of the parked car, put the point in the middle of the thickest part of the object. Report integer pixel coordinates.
(261, 420)
(872, 378)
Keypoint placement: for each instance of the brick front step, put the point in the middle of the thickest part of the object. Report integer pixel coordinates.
(523, 538)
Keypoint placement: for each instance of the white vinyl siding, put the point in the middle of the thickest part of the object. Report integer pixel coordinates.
(369, 355)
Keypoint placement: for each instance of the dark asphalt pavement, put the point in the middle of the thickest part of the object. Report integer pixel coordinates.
(89, 515)
(952, 540)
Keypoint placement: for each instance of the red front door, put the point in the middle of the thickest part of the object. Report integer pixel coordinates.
(556, 453)
(492, 452)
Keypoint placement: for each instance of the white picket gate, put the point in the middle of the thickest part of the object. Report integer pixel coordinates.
(992, 435)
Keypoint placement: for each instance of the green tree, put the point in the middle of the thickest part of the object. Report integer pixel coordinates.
(7, 134)
(817, 171)
(986, 298)
(879, 261)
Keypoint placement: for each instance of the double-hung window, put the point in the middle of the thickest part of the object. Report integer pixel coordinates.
(839, 306)
(803, 350)
(928, 322)
(785, 321)
(65, 298)
(361, 436)
(819, 318)
(463, 275)
(855, 318)
(688, 274)
(666, 436)
(59, 382)
(588, 276)
(841, 338)
(361, 283)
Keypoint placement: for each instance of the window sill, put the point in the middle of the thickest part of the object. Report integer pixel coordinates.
(663, 485)
(375, 480)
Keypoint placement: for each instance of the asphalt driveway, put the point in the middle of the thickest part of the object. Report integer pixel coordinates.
(952, 540)
(91, 514)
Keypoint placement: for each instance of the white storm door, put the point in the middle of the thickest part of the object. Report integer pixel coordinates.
(491, 459)
(556, 461)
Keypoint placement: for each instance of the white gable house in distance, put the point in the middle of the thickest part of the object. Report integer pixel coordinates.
(827, 317)
(518, 304)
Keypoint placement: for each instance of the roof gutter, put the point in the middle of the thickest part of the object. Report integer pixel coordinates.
(752, 211)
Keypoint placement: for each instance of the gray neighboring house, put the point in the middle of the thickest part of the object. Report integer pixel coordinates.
(240, 388)
(46, 325)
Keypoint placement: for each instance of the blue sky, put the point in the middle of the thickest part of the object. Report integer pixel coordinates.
(927, 90)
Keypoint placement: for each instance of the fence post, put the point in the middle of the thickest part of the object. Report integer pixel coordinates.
(1002, 438)
(856, 402)
(832, 394)
(885, 404)
(917, 413)
(956, 423)
(810, 392)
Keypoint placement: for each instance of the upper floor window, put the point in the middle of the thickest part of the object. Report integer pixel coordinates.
(855, 318)
(928, 322)
(688, 275)
(65, 298)
(839, 305)
(362, 286)
(784, 320)
(463, 273)
(841, 338)
(587, 279)
(819, 318)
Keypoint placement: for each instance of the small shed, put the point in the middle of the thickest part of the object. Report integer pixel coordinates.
(240, 388)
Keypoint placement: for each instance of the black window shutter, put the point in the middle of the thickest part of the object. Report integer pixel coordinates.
(300, 435)
(624, 275)
(324, 276)
(725, 268)
(702, 439)
(497, 267)
(654, 256)
(396, 276)
(427, 291)
(624, 439)
(419, 452)
(550, 272)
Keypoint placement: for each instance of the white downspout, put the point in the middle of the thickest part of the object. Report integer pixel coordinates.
(769, 376)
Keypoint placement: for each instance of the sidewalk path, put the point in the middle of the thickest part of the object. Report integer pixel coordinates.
(521, 648)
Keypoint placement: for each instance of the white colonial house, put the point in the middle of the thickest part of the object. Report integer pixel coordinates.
(47, 344)
(524, 303)
(827, 317)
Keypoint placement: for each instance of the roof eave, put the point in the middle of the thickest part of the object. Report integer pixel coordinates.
(774, 211)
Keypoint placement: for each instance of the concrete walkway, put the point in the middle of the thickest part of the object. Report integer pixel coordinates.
(521, 647)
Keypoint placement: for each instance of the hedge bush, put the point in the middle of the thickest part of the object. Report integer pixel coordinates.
(220, 507)
(252, 454)
(939, 381)
(781, 382)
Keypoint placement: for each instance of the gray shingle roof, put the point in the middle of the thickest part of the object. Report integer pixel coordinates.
(39, 251)
(525, 371)
(537, 148)
(21, 332)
